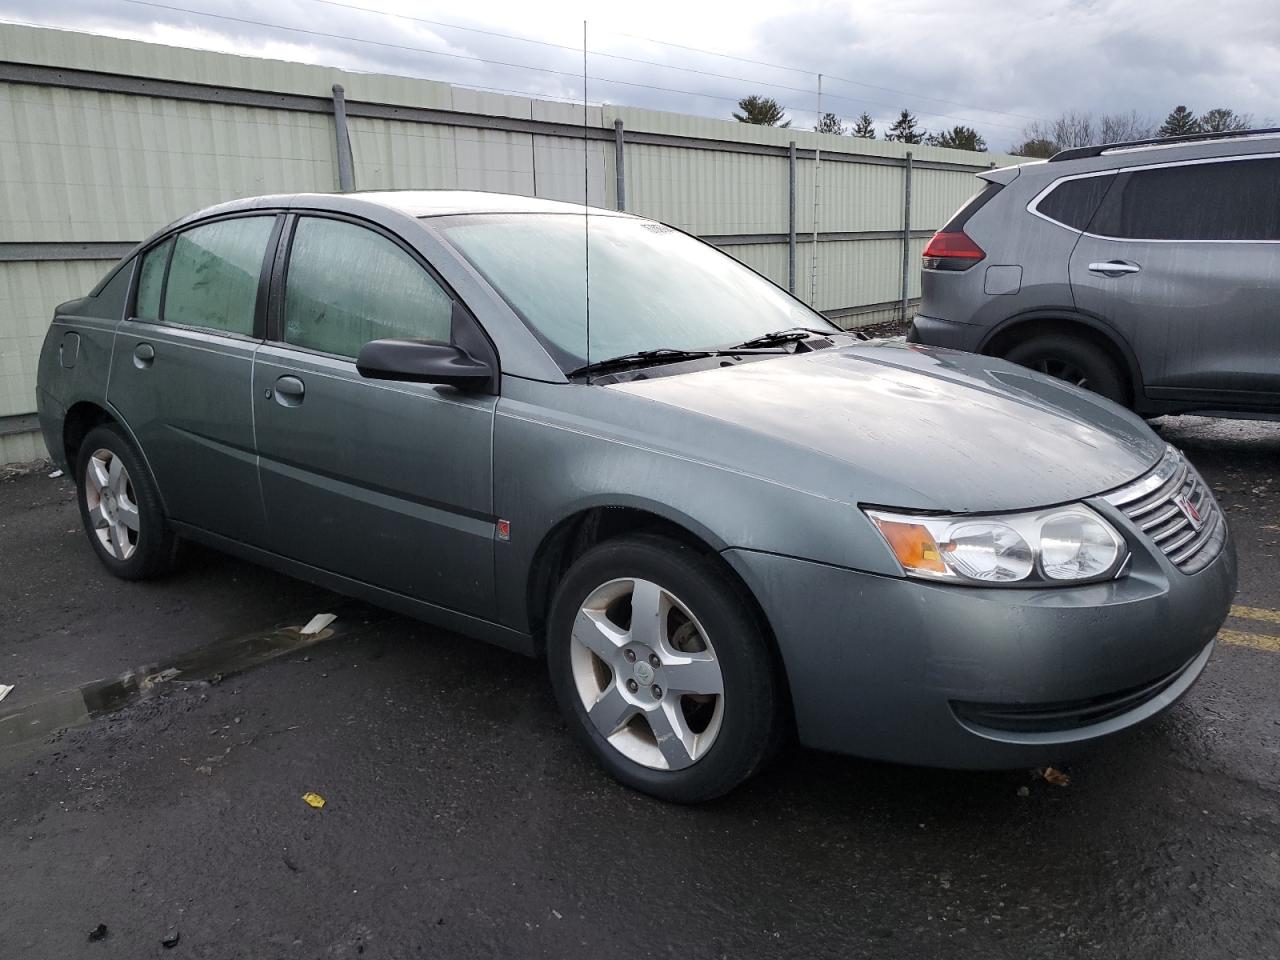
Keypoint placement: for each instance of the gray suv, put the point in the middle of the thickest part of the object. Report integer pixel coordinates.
(1148, 272)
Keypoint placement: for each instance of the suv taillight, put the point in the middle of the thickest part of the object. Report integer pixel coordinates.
(951, 250)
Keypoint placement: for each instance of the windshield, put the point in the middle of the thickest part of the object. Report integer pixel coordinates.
(651, 286)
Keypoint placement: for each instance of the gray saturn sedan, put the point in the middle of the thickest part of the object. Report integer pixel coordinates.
(592, 437)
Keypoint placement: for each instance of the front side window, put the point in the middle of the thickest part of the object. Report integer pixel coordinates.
(348, 285)
(1227, 200)
(650, 286)
(213, 279)
(151, 282)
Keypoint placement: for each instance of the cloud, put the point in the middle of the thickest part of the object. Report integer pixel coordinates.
(992, 67)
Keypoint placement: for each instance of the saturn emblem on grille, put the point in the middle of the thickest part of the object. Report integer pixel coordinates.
(1189, 510)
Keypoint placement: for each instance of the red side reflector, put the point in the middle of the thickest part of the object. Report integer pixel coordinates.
(953, 246)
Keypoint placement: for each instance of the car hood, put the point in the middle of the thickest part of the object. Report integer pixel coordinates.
(902, 425)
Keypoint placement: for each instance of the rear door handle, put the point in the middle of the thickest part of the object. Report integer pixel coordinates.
(1114, 268)
(143, 355)
(289, 391)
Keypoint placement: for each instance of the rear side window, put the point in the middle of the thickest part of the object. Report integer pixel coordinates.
(1074, 202)
(1228, 200)
(213, 279)
(151, 282)
(347, 285)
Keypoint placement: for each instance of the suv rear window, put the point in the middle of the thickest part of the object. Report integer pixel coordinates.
(971, 206)
(1074, 202)
(1226, 200)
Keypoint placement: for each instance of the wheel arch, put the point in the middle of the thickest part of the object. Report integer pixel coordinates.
(592, 524)
(83, 416)
(1022, 327)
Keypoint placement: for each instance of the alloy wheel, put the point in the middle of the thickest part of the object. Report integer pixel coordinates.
(113, 510)
(647, 674)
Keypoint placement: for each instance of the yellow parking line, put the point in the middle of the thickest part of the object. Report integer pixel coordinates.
(1256, 640)
(1256, 613)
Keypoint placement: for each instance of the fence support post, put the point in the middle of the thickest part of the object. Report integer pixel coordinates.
(791, 219)
(620, 164)
(346, 174)
(906, 235)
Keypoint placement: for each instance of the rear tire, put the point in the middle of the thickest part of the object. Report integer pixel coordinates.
(706, 716)
(1074, 360)
(120, 507)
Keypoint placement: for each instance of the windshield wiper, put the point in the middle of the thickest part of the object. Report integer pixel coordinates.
(642, 358)
(790, 335)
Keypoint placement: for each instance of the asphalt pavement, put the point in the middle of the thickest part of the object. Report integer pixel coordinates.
(459, 820)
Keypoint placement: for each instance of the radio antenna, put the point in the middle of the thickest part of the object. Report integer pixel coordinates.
(586, 196)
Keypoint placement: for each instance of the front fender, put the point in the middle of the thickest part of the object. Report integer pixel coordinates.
(551, 463)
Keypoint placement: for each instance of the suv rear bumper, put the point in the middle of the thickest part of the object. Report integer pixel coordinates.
(945, 333)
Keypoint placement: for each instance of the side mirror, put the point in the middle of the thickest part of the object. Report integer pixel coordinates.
(423, 361)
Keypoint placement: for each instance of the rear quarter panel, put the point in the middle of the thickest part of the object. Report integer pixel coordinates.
(1011, 238)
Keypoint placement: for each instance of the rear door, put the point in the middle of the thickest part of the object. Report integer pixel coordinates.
(384, 482)
(181, 373)
(1184, 259)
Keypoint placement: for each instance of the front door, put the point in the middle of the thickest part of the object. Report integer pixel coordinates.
(181, 374)
(1184, 260)
(386, 483)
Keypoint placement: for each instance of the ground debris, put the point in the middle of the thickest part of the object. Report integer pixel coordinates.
(5, 690)
(98, 933)
(313, 800)
(1054, 776)
(1024, 791)
(170, 939)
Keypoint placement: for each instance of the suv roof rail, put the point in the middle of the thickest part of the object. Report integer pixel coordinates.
(1097, 150)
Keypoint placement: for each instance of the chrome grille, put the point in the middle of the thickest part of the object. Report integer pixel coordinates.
(1165, 505)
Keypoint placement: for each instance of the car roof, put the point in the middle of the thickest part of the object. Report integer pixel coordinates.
(1121, 155)
(417, 203)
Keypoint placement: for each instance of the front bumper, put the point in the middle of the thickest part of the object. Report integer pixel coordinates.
(913, 672)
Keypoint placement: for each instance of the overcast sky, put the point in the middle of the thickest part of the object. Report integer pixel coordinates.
(992, 66)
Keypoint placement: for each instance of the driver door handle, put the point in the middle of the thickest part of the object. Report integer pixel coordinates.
(1114, 268)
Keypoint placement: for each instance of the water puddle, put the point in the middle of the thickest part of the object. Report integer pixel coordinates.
(210, 663)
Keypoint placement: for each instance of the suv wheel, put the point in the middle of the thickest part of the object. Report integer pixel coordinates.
(120, 507)
(1075, 361)
(661, 668)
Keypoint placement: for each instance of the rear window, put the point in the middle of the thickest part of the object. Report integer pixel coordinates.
(1226, 200)
(1074, 202)
(972, 206)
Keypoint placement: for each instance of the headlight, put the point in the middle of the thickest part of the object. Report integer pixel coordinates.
(1061, 545)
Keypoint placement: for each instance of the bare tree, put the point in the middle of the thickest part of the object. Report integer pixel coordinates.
(1076, 128)
(1118, 127)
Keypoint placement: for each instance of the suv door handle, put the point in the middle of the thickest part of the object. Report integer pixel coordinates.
(1114, 268)
(289, 391)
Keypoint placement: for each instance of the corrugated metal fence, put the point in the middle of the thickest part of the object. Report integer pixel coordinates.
(102, 141)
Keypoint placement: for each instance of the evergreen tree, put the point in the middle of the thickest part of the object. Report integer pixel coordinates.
(1040, 148)
(904, 130)
(1224, 120)
(864, 128)
(764, 111)
(959, 138)
(1179, 123)
(830, 123)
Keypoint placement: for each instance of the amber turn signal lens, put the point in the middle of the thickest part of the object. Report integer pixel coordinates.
(913, 545)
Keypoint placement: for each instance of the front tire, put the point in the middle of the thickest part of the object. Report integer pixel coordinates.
(660, 665)
(1074, 360)
(120, 507)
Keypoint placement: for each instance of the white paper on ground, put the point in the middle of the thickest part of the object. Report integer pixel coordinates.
(318, 623)
(4, 689)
